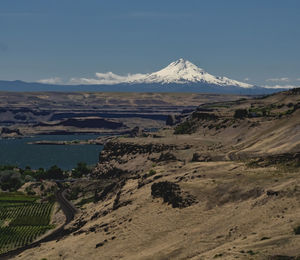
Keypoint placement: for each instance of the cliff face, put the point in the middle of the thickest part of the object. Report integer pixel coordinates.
(146, 110)
(119, 157)
(88, 122)
(10, 133)
(117, 149)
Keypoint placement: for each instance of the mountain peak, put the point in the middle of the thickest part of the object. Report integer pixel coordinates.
(181, 61)
(183, 64)
(183, 71)
(180, 71)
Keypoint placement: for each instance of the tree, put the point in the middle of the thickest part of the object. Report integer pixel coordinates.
(54, 173)
(10, 180)
(80, 170)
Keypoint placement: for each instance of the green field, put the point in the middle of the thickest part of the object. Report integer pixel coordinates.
(22, 220)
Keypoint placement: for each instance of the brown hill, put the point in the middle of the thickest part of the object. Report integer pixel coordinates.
(224, 183)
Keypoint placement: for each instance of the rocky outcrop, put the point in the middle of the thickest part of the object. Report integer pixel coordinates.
(172, 194)
(134, 132)
(117, 154)
(287, 159)
(198, 157)
(7, 132)
(88, 122)
(166, 157)
(115, 150)
(174, 119)
(111, 172)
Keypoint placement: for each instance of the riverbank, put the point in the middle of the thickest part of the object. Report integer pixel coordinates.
(98, 141)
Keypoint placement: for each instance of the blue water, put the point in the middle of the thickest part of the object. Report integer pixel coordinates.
(18, 152)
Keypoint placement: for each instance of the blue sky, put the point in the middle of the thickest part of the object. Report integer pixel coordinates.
(257, 39)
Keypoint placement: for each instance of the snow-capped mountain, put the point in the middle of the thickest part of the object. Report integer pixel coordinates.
(178, 76)
(178, 72)
(183, 71)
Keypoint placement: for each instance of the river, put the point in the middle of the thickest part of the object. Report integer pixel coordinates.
(19, 153)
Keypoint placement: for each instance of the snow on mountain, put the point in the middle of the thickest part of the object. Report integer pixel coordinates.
(178, 72)
(183, 71)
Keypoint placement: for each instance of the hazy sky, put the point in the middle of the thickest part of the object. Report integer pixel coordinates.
(254, 39)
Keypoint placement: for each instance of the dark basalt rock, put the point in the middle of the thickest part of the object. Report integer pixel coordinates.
(172, 194)
(6, 130)
(166, 157)
(197, 157)
(272, 193)
(113, 173)
(136, 131)
(113, 150)
(101, 243)
(288, 159)
(93, 122)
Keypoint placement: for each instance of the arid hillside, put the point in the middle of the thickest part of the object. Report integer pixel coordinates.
(223, 183)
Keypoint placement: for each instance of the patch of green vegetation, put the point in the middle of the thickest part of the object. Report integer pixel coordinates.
(14, 237)
(12, 178)
(29, 191)
(204, 116)
(14, 197)
(240, 113)
(81, 170)
(22, 220)
(260, 111)
(218, 255)
(151, 172)
(287, 112)
(7, 167)
(187, 127)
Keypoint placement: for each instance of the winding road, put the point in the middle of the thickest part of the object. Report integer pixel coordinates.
(69, 210)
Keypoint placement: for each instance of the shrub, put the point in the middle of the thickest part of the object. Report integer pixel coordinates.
(54, 173)
(187, 127)
(151, 172)
(297, 230)
(80, 170)
(7, 167)
(240, 113)
(10, 180)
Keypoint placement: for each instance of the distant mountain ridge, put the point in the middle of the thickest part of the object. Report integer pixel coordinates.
(178, 72)
(21, 86)
(178, 76)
